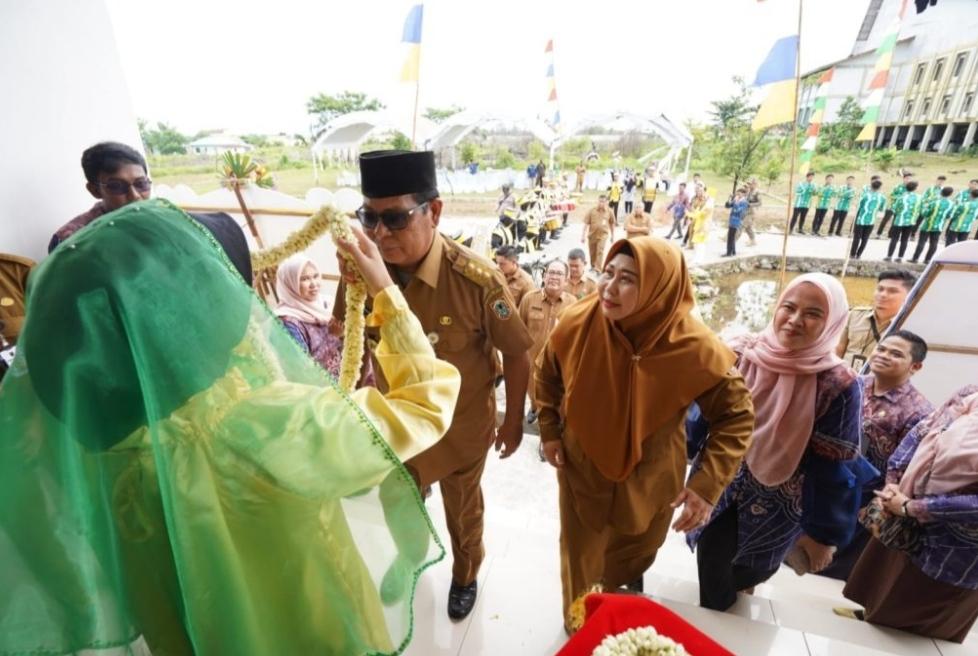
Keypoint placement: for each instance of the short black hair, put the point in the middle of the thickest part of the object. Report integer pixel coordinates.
(509, 252)
(876, 184)
(425, 196)
(829, 175)
(875, 177)
(850, 177)
(901, 275)
(947, 191)
(576, 254)
(975, 180)
(912, 185)
(918, 347)
(810, 173)
(942, 177)
(108, 157)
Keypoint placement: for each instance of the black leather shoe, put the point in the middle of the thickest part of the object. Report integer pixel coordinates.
(461, 599)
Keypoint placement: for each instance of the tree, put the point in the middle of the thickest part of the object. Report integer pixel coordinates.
(256, 140)
(740, 152)
(439, 114)
(164, 140)
(469, 152)
(733, 110)
(326, 107)
(400, 141)
(842, 132)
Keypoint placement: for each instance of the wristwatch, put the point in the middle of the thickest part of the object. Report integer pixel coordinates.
(906, 511)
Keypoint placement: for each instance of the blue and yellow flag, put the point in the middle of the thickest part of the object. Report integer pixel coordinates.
(412, 37)
(777, 73)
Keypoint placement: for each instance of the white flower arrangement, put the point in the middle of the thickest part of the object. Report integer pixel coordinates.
(643, 641)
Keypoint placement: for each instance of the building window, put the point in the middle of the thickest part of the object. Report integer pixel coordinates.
(938, 69)
(945, 105)
(959, 64)
(908, 109)
(969, 98)
(919, 75)
(925, 109)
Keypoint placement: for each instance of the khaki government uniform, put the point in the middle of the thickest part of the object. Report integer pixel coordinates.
(611, 531)
(638, 227)
(465, 308)
(861, 336)
(519, 284)
(13, 283)
(599, 225)
(581, 288)
(540, 314)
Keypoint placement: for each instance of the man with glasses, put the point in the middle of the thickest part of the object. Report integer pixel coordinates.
(116, 176)
(540, 309)
(468, 313)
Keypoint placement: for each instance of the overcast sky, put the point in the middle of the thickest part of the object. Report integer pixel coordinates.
(250, 66)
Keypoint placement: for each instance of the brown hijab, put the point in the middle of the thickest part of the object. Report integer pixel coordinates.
(624, 380)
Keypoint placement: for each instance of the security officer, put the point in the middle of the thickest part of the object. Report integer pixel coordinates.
(468, 313)
(868, 324)
(518, 280)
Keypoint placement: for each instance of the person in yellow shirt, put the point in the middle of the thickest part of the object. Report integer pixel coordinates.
(615, 190)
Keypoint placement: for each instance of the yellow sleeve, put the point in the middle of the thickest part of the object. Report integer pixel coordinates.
(420, 403)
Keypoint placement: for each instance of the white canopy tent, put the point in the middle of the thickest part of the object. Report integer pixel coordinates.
(342, 137)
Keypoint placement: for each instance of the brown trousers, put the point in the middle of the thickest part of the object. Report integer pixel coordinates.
(461, 493)
(595, 246)
(608, 557)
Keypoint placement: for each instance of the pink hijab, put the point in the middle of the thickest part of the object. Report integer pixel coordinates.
(783, 384)
(946, 459)
(290, 303)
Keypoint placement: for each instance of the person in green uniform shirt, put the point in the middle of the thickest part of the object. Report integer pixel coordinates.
(870, 204)
(905, 213)
(845, 194)
(898, 191)
(930, 195)
(803, 200)
(962, 218)
(965, 194)
(934, 217)
(825, 194)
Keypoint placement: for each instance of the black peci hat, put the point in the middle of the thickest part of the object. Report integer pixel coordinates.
(385, 173)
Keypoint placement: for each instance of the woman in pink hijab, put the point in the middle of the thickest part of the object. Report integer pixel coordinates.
(304, 314)
(920, 571)
(795, 487)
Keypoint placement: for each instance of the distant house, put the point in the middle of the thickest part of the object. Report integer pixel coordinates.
(215, 144)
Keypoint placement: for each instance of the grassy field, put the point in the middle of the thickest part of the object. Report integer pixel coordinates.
(293, 175)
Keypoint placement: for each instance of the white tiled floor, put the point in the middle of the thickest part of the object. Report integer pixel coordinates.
(518, 609)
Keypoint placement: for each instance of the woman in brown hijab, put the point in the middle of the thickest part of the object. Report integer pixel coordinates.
(613, 385)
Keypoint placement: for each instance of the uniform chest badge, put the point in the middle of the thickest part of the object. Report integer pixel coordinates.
(501, 309)
(6, 301)
(445, 321)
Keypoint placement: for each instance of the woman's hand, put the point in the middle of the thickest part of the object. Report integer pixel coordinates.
(892, 499)
(553, 451)
(696, 511)
(819, 555)
(368, 260)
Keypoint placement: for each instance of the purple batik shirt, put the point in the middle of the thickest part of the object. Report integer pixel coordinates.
(887, 418)
(949, 522)
(76, 224)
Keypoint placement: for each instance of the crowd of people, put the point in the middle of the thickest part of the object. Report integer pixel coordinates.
(214, 450)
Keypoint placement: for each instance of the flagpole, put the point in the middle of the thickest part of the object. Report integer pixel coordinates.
(794, 151)
(417, 93)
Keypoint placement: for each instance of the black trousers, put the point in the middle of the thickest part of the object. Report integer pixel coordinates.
(929, 237)
(953, 237)
(860, 237)
(648, 205)
(731, 240)
(799, 214)
(838, 220)
(613, 204)
(901, 234)
(818, 220)
(720, 578)
(887, 215)
(628, 207)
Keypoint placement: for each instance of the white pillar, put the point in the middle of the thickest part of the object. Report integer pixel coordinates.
(969, 136)
(893, 137)
(946, 139)
(72, 95)
(923, 142)
(909, 137)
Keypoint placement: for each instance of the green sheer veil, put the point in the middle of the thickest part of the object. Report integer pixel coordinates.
(176, 474)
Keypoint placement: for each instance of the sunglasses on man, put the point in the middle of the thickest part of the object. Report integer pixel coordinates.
(393, 220)
(121, 187)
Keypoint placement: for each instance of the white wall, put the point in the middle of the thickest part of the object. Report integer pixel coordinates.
(63, 90)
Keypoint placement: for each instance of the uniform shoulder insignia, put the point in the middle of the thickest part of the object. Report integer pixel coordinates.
(470, 265)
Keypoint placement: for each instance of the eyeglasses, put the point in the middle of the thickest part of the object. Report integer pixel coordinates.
(392, 219)
(121, 187)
